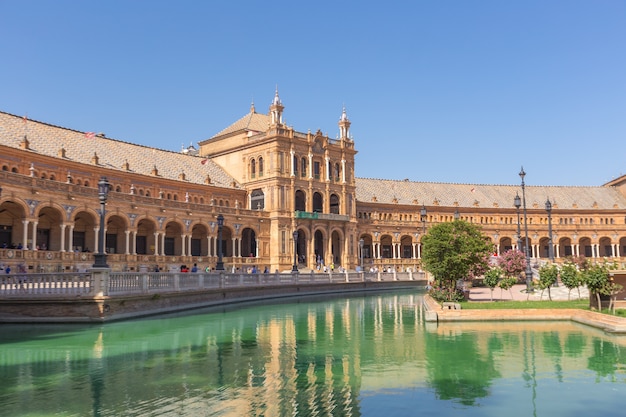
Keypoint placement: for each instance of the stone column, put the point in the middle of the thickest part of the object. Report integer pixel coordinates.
(24, 231)
(127, 233)
(62, 237)
(34, 244)
(71, 238)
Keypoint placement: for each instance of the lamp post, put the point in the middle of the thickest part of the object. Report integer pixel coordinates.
(457, 215)
(361, 244)
(517, 202)
(529, 272)
(550, 246)
(295, 251)
(220, 255)
(100, 259)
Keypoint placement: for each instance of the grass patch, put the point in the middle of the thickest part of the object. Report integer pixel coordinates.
(543, 304)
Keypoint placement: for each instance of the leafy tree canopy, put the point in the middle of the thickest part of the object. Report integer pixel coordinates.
(452, 250)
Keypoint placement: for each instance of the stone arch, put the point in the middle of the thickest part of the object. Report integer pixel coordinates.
(227, 241)
(505, 244)
(248, 242)
(173, 242)
(301, 246)
(145, 243)
(199, 243)
(604, 247)
(336, 245)
(48, 235)
(115, 241)
(319, 250)
(406, 246)
(585, 247)
(386, 249)
(12, 213)
(564, 247)
(84, 231)
(368, 248)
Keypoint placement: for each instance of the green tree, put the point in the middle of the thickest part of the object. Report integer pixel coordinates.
(571, 277)
(548, 274)
(507, 283)
(452, 250)
(596, 278)
(492, 277)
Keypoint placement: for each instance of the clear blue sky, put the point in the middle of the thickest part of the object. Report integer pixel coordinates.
(445, 91)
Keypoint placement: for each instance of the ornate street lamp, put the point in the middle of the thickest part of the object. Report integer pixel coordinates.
(517, 202)
(100, 258)
(295, 251)
(529, 272)
(550, 246)
(361, 244)
(220, 254)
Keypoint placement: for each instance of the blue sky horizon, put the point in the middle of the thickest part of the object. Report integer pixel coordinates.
(447, 91)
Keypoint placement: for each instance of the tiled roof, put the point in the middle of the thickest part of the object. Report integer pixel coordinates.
(252, 121)
(46, 139)
(487, 196)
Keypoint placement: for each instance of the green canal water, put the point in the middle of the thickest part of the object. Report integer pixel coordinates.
(368, 355)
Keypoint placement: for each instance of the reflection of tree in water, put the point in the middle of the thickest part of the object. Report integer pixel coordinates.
(552, 348)
(574, 344)
(606, 358)
(456, 369)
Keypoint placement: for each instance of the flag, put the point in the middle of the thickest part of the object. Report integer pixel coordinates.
(90, 135)
(204, 161)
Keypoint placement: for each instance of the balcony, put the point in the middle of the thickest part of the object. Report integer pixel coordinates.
(320, 216)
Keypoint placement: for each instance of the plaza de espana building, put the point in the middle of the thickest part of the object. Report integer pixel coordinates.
(268, 181)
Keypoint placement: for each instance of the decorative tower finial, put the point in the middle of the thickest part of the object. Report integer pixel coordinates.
(276, 110)
(344, 125)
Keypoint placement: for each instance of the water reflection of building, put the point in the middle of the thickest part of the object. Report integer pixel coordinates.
(267, 180)
(314, 358)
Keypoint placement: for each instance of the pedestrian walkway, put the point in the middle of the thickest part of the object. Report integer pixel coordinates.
(518, 293)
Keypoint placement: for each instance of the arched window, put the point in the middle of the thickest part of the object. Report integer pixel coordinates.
(303, 167)
(252, 168)
(257, 200)
(260, 166)
(334, 204)
(295, 165)
(318, 203)
(337, 172)
(300, 203)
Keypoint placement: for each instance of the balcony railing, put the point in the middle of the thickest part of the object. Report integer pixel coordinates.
(321, 216)
(108, 283)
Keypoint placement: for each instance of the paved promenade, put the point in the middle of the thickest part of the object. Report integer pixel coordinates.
(518, 292)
